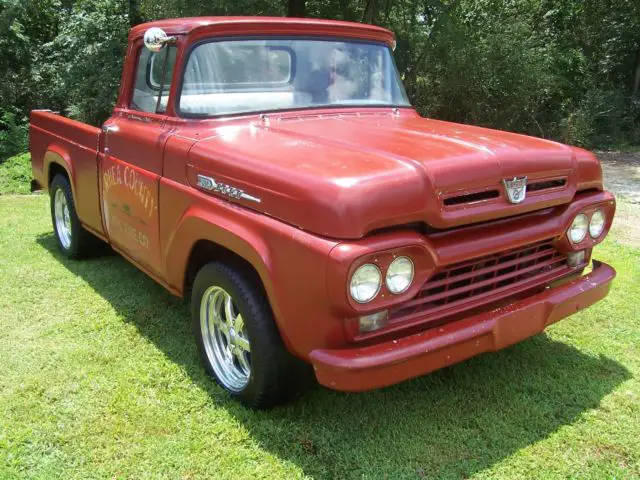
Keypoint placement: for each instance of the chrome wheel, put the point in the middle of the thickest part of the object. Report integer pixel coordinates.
(63, 220)
(225, 338)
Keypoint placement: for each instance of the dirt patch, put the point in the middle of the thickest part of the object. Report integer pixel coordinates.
(626, 225)
(622, 174)
(622, 177)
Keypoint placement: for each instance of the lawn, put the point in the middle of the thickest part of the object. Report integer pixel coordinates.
(99, 378)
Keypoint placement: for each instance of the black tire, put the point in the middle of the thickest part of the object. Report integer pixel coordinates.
(274, 372)
(81, 243)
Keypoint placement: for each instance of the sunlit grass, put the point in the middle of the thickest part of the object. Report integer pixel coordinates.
(99, 378)
(15, 174)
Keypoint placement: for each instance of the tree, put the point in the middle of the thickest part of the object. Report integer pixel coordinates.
(296, 8)
(559, 69)
(135, 17)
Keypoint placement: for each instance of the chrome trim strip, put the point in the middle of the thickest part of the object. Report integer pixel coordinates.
(210, 184)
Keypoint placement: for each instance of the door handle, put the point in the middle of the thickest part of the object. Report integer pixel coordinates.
(109, 128)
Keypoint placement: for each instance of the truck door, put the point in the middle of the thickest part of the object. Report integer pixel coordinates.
(131, 166)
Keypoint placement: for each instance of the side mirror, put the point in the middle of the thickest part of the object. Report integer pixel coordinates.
(155, 39)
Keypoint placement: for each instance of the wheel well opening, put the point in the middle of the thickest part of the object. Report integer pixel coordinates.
(206, 251)
(55, 169)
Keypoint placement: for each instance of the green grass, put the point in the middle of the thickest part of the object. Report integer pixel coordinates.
(99, 378)
(15, 175)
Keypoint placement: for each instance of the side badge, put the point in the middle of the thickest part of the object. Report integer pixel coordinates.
(209, 184)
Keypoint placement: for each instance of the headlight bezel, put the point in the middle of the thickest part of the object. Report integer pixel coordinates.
(367, 265)
(607, 211)
(423, 267)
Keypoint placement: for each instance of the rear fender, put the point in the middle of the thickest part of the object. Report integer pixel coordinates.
(57, 154)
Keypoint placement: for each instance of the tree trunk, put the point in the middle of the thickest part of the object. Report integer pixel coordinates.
(346, 11)
(370, 13)
(636, 80)
(296, 8)
(387, 12)
(134, 13)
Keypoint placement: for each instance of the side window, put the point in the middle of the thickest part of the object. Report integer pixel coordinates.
(149, 79)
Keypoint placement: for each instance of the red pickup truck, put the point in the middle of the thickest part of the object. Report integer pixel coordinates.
(275, 169)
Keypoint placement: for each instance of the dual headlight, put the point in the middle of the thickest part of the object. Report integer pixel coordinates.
(367, 279)
(582, 224)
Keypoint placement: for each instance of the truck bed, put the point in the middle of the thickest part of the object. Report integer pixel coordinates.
(61, 145)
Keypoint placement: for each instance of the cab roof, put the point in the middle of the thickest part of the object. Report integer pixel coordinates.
(228, 26)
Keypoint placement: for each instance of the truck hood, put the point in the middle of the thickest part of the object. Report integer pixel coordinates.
(343, 175)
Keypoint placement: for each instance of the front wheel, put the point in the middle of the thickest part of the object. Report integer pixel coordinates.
(237, 338)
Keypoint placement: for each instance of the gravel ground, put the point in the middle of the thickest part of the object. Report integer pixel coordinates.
(622, 174)
(622, 177)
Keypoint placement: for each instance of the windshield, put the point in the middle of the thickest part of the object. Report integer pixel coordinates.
(242, 76)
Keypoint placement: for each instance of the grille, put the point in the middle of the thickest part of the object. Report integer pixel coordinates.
(484, 280)
(483, 196)
(471, 197)
(546, 185)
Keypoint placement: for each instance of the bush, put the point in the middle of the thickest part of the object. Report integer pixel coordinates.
(560, 70)
(88, 53)
(603, 118)
(13, 135)
(15, 175)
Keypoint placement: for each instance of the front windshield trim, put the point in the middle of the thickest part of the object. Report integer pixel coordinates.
(203, 116)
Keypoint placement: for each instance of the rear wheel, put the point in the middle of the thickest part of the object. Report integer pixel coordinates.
(238, 341)
(73, 240)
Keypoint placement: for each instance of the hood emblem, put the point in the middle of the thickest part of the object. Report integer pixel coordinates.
(516, 188)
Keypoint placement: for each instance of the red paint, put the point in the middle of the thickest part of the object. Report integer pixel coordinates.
(379, 365)
(130, 174)
(338, 187)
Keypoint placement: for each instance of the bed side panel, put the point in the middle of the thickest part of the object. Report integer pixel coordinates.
(74, 146)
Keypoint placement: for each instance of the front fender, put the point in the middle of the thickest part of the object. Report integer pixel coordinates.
(198, 224)
(290, 263)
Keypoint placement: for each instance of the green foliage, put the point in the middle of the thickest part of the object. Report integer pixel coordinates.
(25, 71)
(88, 52)
(561, 69)
(13, 135)
(26, 25)
(15, 175)
(604, 117)
(153, 10)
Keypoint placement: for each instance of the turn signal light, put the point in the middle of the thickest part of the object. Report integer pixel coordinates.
(373, 321)
(576, 258)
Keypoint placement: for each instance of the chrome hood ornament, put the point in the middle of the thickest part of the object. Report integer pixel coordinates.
(515, 188)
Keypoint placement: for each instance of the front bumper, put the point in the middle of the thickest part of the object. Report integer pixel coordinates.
(379, 365)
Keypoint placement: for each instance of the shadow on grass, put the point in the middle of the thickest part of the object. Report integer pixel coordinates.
(449, 424)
